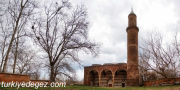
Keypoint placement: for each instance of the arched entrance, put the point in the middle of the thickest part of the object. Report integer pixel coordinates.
(93, 78)
(120, 78)
(106, 78)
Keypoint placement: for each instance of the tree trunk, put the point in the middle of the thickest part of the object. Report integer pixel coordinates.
(1, 65)
(8, 51)
(3, 50)
(52, 76)
(15, 56)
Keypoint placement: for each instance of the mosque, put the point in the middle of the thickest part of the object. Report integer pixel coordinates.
(118, 74)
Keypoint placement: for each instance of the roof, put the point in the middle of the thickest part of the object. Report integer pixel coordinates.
(108, 64)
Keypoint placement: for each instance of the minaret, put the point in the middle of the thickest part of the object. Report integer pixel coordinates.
(132, 51)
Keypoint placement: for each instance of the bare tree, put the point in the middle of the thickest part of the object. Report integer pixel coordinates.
(14, 19)
(160, 57)
(3, 44)
(25, 61)
(143, 69)
(62, 32)
(35, 73)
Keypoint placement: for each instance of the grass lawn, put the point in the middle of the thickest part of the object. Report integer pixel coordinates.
(177, 87)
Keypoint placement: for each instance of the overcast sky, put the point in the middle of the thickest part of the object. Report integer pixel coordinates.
(109, 20)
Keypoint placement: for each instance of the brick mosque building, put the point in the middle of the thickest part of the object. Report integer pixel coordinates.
(118, 74)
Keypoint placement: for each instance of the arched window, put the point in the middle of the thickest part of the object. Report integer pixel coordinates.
(106, 78)
(93, 78)
(120, 78)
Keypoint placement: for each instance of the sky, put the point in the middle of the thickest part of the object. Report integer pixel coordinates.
(109, 20)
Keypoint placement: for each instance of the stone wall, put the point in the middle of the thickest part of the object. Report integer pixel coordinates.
(163, 82)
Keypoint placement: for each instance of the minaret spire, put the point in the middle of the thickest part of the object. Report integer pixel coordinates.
(132, 10)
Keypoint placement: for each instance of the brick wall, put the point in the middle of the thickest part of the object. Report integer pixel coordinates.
(9, 77)
(163, 82)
